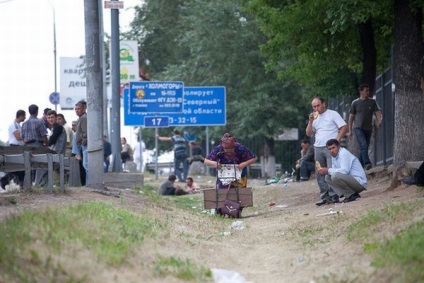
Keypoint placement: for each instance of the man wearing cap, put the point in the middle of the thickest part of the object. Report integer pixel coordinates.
(230, 151)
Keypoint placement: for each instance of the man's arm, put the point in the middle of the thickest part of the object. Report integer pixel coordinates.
(163, 138)
(379, 117)
(342, 132)
(351, 119)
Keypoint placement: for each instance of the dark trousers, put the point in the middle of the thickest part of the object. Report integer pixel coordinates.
(363, 137)
(419, 175)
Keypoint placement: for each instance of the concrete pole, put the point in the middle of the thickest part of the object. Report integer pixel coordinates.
(103, 67)
(94, 94)
(116, 99)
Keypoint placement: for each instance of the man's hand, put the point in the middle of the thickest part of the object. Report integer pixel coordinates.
(323, 171)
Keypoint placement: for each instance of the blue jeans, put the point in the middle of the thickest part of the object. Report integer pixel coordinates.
(363, 137)
(84, 150)
(306, 167)
(181, 157)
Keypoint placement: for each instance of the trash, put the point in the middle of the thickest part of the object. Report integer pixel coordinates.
(222, 234)
(272, 181)
(227, 276)
(330, 212)
(282, 206)
(285, 186)
(271, 203)
(238, 225)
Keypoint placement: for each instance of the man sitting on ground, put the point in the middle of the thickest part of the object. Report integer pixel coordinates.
(192, 187)
(346, 176)
(168, 188)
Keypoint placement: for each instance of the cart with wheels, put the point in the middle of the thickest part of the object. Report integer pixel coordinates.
(228, 178)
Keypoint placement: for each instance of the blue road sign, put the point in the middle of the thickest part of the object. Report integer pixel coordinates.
(54, 98)
(203, 106)
(156, 97)
(156, 122)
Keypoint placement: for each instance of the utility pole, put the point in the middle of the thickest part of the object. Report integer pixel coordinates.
(94, 94)
(103, 67)
(116, 99)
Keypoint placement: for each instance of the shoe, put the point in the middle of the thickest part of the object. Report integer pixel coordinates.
(368, 166)
(334, 199)
(352, 198)
(322, 202)
(410, 180)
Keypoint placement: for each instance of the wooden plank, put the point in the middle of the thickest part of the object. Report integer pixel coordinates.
(210, 197)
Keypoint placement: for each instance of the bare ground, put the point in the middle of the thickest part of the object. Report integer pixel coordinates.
(288, 242)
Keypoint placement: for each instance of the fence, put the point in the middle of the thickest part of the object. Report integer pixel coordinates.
(21, 158)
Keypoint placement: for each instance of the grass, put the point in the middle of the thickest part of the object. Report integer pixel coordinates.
(401, 254)
(182, 269)
(36, 239)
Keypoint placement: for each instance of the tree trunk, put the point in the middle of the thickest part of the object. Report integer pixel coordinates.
(409, 97)
(268, 159)
(369, 61)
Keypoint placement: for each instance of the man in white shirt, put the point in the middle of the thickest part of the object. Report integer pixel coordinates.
(324, 124)
(15, 129)
(15, 139)
(346, 175)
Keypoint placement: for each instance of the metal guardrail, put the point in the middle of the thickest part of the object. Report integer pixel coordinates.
(27, 162)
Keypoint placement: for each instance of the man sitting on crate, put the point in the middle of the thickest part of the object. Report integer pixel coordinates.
(231, 152)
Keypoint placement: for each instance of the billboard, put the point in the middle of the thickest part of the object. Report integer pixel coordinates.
(73, 84)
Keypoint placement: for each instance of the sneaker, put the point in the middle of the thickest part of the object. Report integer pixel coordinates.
(334, 199)
(352, 198)
(368, 166)
(322, 202)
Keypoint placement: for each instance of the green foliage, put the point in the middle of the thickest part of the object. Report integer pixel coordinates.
(317, 40)
(107, 232)
(217, 43)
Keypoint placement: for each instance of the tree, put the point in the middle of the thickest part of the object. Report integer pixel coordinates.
(322, 34)
(218, 44)
(409, 82)
(329, 46)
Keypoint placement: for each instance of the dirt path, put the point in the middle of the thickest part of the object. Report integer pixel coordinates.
(288, 242)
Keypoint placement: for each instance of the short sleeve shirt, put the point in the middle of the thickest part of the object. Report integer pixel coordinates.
(363, 111)
(326, 127)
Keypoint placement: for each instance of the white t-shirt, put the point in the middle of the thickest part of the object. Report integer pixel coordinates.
(326, 127)
(13, 127)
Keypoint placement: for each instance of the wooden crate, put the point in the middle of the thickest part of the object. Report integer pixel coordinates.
(210, 197)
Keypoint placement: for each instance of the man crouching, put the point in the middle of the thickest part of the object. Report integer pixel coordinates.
(346, 175)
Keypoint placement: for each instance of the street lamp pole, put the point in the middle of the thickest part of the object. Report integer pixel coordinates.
(54, 52)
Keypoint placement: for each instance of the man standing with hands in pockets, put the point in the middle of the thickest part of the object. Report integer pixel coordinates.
(324, 124)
